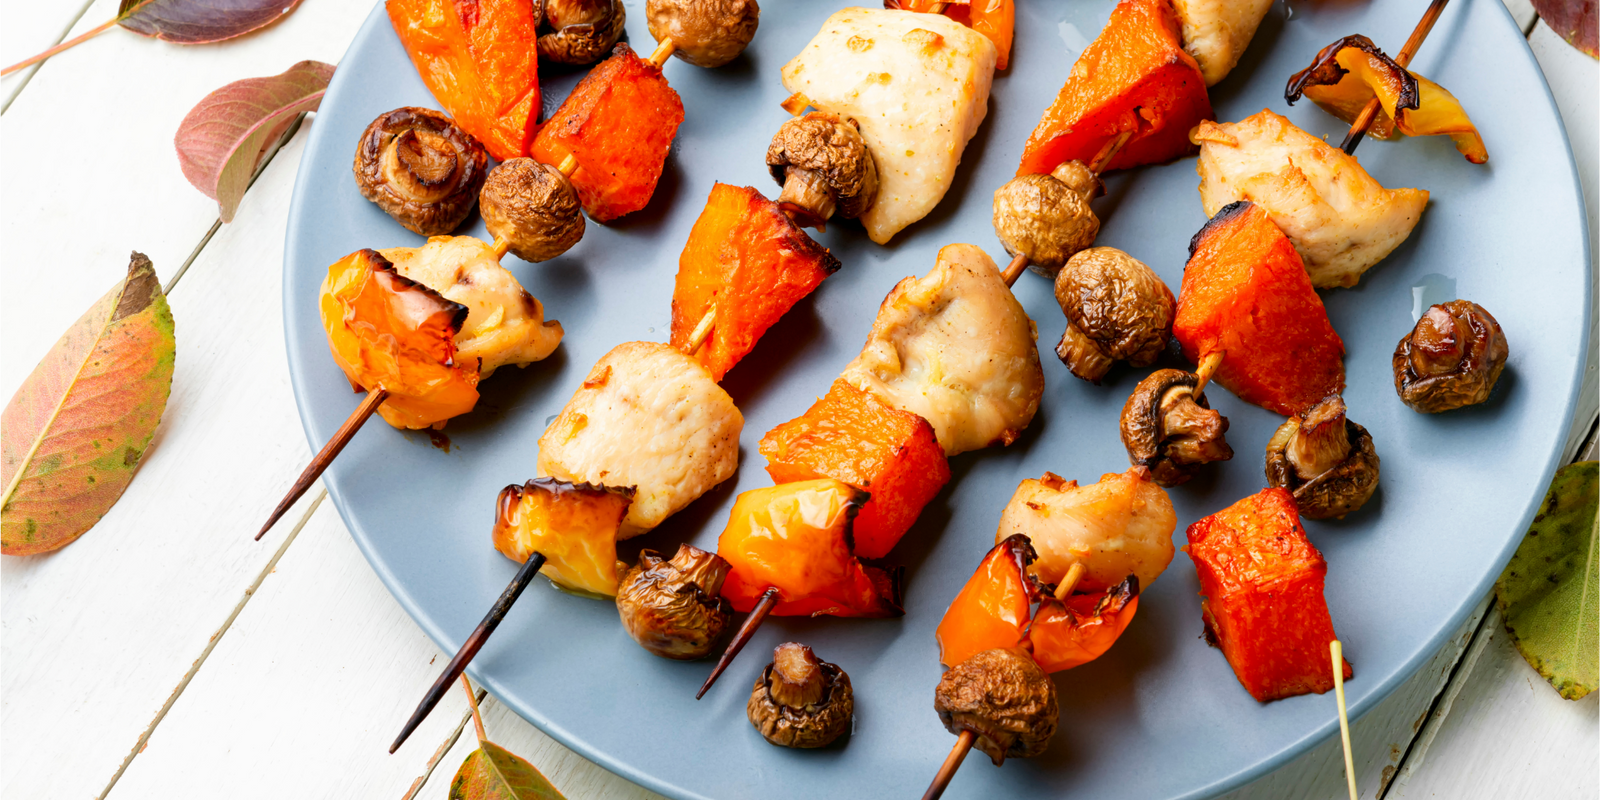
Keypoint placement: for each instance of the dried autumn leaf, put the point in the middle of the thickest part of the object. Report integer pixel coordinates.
(182, 21)
(1573, 20)
(494, 773)
(73, 434)
(1548, 593)
(223, 138)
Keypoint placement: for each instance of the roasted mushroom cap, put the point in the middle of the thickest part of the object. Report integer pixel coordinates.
(824, 166)
(1326, 460)
(1450, 359)
(1117, 309)
(800, 700)
(1005, 698)
(420, 169)
(1047, 217)
(707, 33)
(580, 31)
(533, 207)
(1170, 431)
(674, 608)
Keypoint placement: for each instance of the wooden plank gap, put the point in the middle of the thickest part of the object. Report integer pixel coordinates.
(138, 747)
(216, 226)
(444, 749)
(27, 74)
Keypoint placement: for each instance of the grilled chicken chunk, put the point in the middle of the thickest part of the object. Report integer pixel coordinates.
(505, 324)
(1216, 32)
(956, 348)
(649, 417)
(1341, 221)
(1118, 527)
(917, 84)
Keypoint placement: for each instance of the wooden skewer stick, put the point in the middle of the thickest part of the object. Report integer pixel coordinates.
(471, 646)
(1101, 159)
(314, 470)
(1369, 112)
(1208, 367)
(702, 331)
(763, 607)
(1337, 651)
(952, 762)
(1070, 581)
(664, 50)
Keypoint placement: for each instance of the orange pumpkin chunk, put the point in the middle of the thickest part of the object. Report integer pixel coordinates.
(749, 260)
(618, 123)
(1261, 580)
(1135, 76)
(1245, 292)
(852, 436)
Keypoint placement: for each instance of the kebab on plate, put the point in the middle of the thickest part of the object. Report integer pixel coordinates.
(1060, 586)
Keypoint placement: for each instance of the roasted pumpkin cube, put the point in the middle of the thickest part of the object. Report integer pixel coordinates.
(573, 525)
(1080, 630)
(852, 436)
(1261, 580)
(993, 609)
(480, 61)
(795, 537)
(1135, 76)
(750, 263)
(389, 332)
(618, 124)
(1246, 293)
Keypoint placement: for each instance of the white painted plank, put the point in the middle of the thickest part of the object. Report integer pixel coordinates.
(97, 635)
(1506, 734)
(32, 28)
(303, 695)
(572, 774)
(1522, 11)
(90, 169)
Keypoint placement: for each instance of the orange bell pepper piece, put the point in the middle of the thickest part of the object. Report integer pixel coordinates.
(388, 332)
(852, 436)
(796, 537)
(618, 123)
(1135, 76)
(995, 19)
(994, 607)
(1262, 584)
(480, 60)
(1071, 634)
(747, 258)
(573, 525)
(1245, 292)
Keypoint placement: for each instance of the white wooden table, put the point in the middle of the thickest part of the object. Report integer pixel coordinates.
(168, 655)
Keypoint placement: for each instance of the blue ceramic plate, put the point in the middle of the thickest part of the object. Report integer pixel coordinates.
(1161, 715)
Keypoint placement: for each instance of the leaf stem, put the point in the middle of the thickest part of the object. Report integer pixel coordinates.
(472, 700)
(58, 48)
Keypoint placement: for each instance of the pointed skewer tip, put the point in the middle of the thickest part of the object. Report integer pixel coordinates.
(762, 608)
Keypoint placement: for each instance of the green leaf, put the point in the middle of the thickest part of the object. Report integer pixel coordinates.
(494, 773)
(1547, 594)
(74, 433)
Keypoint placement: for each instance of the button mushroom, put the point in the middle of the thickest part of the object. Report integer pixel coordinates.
(1169, 430)
(533, 208)
(1117, 309)
(825, 168)
(706, 33)
(1047, 217)
(674, 608)
(800, 700)
(1004, 698)
(579, 31)
(1324, 459)
(420, 169)
(1450, 359)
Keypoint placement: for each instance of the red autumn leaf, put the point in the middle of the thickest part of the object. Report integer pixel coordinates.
(223, 138)
(200, 21)
(1573, 20)
(74, 433)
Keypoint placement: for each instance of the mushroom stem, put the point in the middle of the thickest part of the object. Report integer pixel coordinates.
(1208, 367)
(806, 198)
(314, 470)
(952, 762)
(1321, 441)
(1014, 270)
(763, 607)
(797, 679)
(702, 331)
(1070, 580)
(1358, 129)
(663, 51)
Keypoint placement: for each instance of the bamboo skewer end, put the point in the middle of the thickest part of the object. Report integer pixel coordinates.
(325, 457)
(763, 607)
(952, 762)
(702, 332)
(1208, 367)
(1336, 650)
(663, 51)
